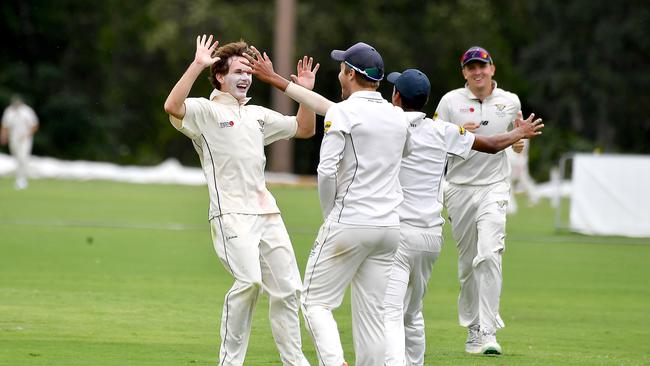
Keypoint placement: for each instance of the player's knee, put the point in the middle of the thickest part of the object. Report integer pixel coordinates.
(492, 258)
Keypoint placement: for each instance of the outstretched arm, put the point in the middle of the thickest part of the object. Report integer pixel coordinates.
(306, 117)
(526, 129)
(175, 103)
(298, 90)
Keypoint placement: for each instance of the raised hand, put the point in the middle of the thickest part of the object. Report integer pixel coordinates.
(261, 65)
(529, 127)
(204, 51)
(306, 76)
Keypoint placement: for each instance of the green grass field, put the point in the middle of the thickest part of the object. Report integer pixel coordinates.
(98, 273)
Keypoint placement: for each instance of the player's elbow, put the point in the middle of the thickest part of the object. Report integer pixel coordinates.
(170, 107)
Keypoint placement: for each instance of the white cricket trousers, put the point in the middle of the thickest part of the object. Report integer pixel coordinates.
(478, 222)
(418, 250)
(349, 254)
(257, 252)
(21, 149)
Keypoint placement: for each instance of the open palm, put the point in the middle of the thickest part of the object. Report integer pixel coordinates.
(306, 77)
(204, 51)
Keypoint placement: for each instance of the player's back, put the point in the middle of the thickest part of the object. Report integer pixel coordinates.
(421, 171)
(370, 134)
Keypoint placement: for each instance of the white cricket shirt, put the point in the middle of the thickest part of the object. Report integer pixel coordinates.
(365, 139)
(19, 120)
(230, 138)
(495, 114)
(421, 171)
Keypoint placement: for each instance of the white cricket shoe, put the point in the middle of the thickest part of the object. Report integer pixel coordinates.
(489, 344)
(473, 342)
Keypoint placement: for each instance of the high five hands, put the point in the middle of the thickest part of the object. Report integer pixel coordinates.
(529, 127)
(262, 68)
(204, 51)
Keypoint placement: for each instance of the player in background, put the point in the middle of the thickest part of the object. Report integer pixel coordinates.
(19, 124)
(248, 233)
(476, 198)
(365, 139)
(420, 213)
(520, 179)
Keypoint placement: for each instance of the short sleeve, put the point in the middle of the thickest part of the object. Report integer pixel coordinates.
(33, 118)
(278, 126)
(191, 122)
(458, 141)
(517, 108)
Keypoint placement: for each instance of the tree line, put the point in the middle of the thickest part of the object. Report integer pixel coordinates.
(97, 73)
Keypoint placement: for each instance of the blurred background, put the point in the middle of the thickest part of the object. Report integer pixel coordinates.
(97, 72)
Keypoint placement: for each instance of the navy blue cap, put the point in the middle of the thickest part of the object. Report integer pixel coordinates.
(411, 83)
(363, 59)
(475, 53)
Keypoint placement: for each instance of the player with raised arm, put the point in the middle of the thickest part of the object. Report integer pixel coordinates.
(476, 198)
(365, 139)
(248, 233)
(420, 213)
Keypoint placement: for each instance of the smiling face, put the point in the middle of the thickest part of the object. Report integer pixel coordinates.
(238, 79)
(478, 75)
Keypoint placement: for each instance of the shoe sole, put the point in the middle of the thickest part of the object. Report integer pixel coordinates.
(491, 350)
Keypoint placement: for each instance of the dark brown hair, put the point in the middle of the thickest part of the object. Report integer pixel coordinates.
(222, 66)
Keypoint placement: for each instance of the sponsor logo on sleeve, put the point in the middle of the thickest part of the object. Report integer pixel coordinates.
(328, 124)
(261, 122)
(226, 124)
(435, 115)
(461, 130)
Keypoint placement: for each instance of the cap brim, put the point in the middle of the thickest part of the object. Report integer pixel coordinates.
(393, 76)
(338, 55)
(476, 59)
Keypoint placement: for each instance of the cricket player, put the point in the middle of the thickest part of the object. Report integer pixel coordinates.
(476, 197)
(365, 139)
(421, 211)
(248, 233)
(19, 124)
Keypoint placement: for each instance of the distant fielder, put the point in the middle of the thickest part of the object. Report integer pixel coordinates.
(248, 233)
(19, 123)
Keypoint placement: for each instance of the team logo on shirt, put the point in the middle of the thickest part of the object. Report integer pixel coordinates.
(226, 124)
(328, 124)
(501, 110)
(261, 122)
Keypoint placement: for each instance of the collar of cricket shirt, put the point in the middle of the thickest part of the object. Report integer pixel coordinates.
(471, 95)
(226, 98)
(366, 94)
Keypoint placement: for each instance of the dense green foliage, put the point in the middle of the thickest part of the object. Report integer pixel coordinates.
(98, 273)
(97, 72)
